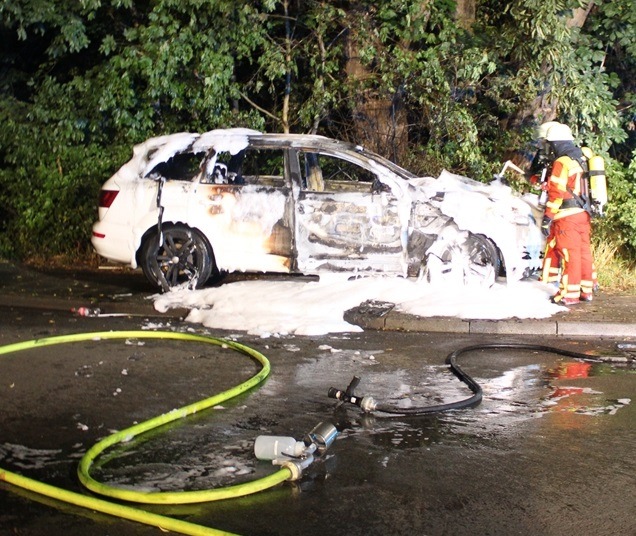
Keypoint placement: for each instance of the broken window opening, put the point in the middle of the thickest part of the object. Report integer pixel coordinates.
(326, 173)
(180, 167)
(263, 167)
(313, 179)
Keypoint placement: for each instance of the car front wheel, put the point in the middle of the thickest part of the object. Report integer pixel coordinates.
(471, 260)
(182, 258)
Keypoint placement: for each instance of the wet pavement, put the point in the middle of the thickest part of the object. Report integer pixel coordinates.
(549, 451)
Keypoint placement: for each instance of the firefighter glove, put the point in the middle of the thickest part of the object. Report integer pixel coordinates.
(545, 225)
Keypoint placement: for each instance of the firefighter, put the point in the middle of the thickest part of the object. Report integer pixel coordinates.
(540, 171)
(567, 219)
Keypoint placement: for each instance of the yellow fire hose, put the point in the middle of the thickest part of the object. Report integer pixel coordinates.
(177, 497)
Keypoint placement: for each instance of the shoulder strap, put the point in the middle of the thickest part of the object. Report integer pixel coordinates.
(583, 162)
(583, 200)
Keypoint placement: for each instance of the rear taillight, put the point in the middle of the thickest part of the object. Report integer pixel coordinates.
(106, 198)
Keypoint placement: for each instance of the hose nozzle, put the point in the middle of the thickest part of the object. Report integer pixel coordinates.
(366, 403)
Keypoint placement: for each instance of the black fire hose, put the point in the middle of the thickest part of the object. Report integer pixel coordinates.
(368, 404)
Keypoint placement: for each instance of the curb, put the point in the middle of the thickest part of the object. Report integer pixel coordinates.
(381, 317)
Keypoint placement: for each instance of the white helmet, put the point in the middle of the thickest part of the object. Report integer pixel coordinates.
(559, 132)
(542, 129)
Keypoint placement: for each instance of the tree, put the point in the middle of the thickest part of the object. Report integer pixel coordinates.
(431, 84)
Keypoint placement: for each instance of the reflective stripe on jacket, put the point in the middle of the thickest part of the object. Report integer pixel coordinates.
(565, 177)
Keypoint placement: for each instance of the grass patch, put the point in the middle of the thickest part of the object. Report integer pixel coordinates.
(615, 273)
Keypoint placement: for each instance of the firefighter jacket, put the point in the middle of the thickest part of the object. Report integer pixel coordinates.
(564, 189)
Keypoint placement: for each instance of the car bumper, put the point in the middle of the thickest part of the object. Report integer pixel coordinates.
(114, 242)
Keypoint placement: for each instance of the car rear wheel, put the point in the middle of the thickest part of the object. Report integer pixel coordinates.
(472, 261)
(183, 258)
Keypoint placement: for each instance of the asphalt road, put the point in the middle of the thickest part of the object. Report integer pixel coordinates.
(549, 451)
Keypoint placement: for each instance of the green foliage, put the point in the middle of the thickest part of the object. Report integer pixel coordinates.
(620, 223)
(84, 81)
(71, 120)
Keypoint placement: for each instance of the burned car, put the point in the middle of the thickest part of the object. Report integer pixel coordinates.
(189, 206)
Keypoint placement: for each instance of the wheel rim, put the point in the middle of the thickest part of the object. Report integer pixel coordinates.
(482, 262)
(177, 260)
(471, 262)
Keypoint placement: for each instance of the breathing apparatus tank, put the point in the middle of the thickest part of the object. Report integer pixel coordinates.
(598, 183)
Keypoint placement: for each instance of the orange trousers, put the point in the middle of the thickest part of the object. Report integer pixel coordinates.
(572, 236)
(551, 268)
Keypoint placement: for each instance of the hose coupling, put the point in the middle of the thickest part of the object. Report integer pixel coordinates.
(366, 403)
(296, 467)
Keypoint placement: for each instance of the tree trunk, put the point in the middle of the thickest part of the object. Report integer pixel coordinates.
(544, 107)
(288, 60)
(379, 119)
(379, 122)
(465, 13)
(579, 15)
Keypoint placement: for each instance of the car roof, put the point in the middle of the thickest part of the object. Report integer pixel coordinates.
(208, 139)
(323, 143)
(234, 140)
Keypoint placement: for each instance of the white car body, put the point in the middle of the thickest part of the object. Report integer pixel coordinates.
(304, 204)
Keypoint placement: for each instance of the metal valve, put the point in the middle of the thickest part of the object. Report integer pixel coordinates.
(322, 435)
(365, 403)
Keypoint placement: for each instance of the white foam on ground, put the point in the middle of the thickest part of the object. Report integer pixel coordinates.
(268, 308)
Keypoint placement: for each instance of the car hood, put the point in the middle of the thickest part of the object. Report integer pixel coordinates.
(493, 210)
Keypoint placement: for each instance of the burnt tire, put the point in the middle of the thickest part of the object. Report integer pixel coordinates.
(475, 260)
(183, 258)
